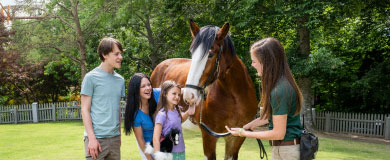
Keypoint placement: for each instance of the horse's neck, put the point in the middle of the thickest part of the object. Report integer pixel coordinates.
(233, 72)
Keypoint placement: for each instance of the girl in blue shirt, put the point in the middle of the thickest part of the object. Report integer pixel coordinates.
(140, 107)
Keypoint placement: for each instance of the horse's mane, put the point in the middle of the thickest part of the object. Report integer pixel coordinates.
(206, 36)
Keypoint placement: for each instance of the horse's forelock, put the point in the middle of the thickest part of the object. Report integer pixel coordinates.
(205, 36)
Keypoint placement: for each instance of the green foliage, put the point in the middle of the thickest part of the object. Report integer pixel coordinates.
(149, 34)
(320, 65)
(347, 64)
(359, 37)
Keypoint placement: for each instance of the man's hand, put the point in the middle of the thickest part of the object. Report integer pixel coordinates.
(94, 148)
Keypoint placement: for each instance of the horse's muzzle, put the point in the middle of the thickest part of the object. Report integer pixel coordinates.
(189, 96)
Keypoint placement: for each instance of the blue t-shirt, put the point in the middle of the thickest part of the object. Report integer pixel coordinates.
(145, 122)
(156, 93)
(106, 90)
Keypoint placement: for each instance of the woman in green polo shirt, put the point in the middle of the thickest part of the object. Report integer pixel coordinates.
(281, 100)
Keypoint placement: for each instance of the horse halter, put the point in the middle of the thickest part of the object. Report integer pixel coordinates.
(214, 73)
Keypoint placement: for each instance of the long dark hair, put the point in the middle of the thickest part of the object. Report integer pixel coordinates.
(134, 99)
(270, 54)
(162, 101)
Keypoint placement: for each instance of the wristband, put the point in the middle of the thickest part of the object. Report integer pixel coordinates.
(239, 132)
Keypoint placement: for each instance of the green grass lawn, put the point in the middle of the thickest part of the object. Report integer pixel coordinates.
(64, 140)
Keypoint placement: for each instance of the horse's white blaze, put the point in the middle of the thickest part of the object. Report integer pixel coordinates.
(198, 64)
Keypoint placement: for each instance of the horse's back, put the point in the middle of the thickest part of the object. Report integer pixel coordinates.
(175, 69)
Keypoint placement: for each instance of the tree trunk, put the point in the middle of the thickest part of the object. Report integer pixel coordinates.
(80, 40)
(305, 82)
(83, 60)
(153, 45)
(305, 86)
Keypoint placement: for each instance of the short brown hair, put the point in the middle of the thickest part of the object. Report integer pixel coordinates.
(106, 45)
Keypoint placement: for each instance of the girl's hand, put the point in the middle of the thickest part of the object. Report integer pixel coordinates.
(191, 109)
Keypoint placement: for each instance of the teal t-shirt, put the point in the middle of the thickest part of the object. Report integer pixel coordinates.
(283, 101)
(106, 90)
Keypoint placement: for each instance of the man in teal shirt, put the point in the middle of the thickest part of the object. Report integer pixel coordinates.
(101, 92)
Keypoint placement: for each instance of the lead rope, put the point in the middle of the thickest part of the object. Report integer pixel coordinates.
(262, 149)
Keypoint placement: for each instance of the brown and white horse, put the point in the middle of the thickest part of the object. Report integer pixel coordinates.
(218, 82)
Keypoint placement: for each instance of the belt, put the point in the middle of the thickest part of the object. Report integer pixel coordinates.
(284, 143)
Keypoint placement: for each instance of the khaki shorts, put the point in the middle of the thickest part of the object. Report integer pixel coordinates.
(110, 148)
(290, 152)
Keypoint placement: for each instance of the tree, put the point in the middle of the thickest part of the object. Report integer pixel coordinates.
(7, 61)
(149, 24)
(338, 50)
(68, 13)
(362, 43)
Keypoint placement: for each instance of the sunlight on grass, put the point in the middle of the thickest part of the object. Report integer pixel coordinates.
(64, 141)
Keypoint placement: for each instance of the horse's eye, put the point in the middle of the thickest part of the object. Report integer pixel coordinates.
(211, 55)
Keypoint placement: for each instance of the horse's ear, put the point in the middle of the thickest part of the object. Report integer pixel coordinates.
(223, 32)
(194, 28)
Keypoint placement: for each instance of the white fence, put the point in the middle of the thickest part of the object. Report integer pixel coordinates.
(35, 112)
(371, 125)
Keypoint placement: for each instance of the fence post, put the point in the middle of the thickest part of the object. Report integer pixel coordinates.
(15, 110)
(327, 122)
(53, 112)
(35, 112)
(313, 114)
(387, 128)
